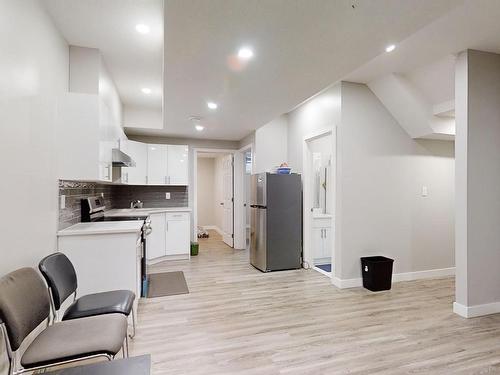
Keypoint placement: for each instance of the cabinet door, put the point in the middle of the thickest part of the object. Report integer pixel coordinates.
(178, 164)
(327, 243)
(177, 238)
(157, 164)
(155, 242)
(139, 153)
(317, 241)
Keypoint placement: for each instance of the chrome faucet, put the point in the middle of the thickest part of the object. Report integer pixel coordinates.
(136, 204)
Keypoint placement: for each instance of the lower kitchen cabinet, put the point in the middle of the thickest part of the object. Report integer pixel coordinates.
(105, 262)
(155, 242)
(170, 237)
(177, 234)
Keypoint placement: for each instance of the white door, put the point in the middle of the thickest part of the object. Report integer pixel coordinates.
(227, 203)
(177, 161)
(155, 242)
(157, 164)
(317, 244)
(177, 238)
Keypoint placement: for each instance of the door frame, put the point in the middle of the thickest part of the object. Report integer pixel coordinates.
(240, 218)
(237, 192)
(308, 199)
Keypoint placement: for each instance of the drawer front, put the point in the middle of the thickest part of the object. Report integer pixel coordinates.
(171, 216)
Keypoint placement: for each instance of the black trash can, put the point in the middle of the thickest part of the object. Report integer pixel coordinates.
(377, 273)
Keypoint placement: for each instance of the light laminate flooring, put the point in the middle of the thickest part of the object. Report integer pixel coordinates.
(237, 320)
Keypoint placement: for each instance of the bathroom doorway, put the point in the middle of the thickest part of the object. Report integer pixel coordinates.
(319, 202)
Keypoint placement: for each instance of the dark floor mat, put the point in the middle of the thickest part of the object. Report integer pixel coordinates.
(167, 284)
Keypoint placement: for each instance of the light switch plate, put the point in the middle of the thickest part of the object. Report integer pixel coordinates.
(167, 195)
(62, 203)
(424, 191)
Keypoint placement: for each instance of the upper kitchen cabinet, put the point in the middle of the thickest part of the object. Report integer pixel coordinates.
(89, 119)
(167, 164)
(85, 138)
(177, 165)
(139, 153)
(157, 165)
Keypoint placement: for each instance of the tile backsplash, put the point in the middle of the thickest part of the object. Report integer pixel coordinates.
(115, 196)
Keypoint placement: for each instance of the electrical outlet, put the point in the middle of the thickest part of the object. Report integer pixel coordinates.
(62, 203)
(425, 192)
(167, 195)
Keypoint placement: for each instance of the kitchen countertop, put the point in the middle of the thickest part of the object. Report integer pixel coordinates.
(102, 227)
(143, 211)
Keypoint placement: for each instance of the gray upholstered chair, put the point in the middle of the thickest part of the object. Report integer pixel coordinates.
(61, 278)
(25, 305)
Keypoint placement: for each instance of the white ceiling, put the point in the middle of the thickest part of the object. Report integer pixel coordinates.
(134, 60)
(426, 58)
(300, 48)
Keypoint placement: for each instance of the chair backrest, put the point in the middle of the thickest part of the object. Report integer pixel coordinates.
(60, 275)
(24, 304)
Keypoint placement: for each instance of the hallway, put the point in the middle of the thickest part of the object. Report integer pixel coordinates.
(239, 320)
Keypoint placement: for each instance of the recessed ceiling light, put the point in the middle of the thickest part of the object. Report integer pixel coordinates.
(146, 90)
(245, 53)
(142, 28)
(199, 127)
(390, 48)
(212, 105)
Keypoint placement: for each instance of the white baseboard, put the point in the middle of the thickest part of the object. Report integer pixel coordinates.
(168, 257)
(406, 276)
(476, 310)
(213, 227)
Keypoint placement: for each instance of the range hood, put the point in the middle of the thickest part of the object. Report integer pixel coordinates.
(121, 159)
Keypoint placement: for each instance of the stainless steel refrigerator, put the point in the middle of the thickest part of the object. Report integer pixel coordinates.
(276, 222)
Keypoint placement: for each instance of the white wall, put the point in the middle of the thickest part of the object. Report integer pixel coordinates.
(380, 175)
(206, 191)
(320, 113)
(383, 171)
(270, 145)
(478, 180)
(34, 66)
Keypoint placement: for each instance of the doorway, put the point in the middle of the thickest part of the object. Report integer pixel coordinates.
(215, 196)
(319, 201)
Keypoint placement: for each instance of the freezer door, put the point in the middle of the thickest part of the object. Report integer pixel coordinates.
(258, 250)
(259, 189)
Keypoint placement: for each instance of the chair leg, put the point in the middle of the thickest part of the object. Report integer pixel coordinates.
(133, 324)
(126, 344)
(123, 350)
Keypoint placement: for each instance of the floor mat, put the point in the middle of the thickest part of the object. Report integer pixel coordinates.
(167, 284)
(325, 267)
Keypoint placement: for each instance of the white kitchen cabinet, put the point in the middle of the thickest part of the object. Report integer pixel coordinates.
(167, 164)
(139, 153)
(177, 234)
(105, 262)
(170, 237)
(157, 164)
(86, 135)
(177, 165)
(155, 242)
